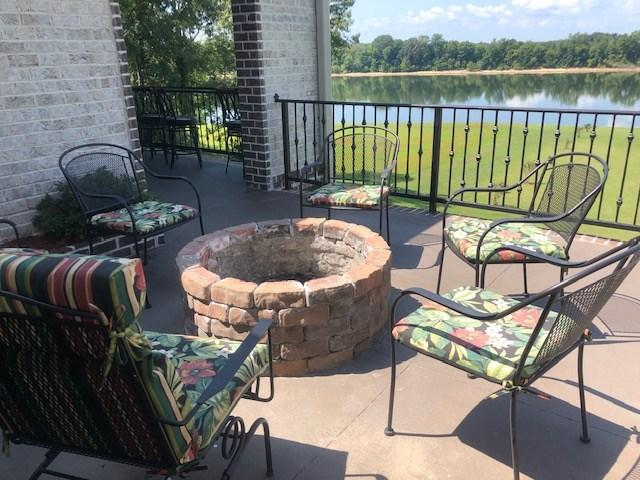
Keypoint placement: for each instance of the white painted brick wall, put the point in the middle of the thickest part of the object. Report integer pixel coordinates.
(60, 86)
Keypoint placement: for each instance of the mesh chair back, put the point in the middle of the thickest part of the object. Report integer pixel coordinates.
(359, 154)
(230, 104)
(576, 310)
(54, 349)
(101, 169)
(569, 181)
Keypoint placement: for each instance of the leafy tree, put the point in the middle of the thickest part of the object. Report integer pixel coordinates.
(340, 22)
(178, 42)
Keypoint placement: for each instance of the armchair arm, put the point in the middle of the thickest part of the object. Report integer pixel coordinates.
(445, 302)
(305, 169)
(228, 371)
(159, 176)
(488, 189)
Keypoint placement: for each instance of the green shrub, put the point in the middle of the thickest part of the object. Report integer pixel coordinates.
(59, 215)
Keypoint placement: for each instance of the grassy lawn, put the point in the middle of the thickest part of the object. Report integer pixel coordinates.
(484, 163)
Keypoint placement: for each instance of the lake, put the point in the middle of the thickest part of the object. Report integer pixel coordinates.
(609, 91)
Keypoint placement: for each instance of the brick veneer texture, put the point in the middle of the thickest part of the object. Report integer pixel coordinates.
(63, 82)
(319, 322)
(276, 52)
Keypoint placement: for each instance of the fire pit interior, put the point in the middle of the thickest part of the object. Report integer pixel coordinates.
(325, 283)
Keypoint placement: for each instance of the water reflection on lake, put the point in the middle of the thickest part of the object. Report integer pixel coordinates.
(589, 91)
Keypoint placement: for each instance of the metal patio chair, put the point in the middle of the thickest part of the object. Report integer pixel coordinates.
(352, 173)
(564, 188)
(106, 182)
(232, 123)
(151, 121)
(80, 376)
(508, 342)
(13, 227)
(180, 121)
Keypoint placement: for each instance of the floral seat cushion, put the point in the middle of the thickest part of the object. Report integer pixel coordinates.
(187, 366)
(149, 217)
(487, 348)
(341, 195)
(465, 234)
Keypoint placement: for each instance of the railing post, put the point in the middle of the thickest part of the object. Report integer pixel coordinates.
(435, 159)
(285, 142)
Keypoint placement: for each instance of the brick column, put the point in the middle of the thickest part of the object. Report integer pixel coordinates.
(276, 52)
(130, 103)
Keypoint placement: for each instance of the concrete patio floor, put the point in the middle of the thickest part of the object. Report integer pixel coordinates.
(330, 425)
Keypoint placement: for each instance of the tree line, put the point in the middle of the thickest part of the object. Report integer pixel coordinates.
(388, 54)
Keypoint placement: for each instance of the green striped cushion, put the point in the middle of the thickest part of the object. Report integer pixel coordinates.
(116, 286)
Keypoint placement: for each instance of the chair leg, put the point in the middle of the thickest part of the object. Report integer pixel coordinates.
(240, 439)
(201, 224)
(389, 432)
(228, 160)
(43, 469)
(144, 242)
(583, 408)
(387, 220)
(193, 130)
(329, 213)
(512, 431)
(440, 261)
(380, 222)
(172, 141)
(524, 278)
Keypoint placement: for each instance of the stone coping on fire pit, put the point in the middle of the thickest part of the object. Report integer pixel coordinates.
(324, 283)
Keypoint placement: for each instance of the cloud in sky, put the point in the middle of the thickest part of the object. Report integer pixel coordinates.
(485, 19)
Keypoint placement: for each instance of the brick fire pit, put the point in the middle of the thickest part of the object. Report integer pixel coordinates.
(325, 283)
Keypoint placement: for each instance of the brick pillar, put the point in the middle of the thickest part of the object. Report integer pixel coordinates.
(276, 52)
(130, 103)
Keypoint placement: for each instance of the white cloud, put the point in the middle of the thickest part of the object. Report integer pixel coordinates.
(453, 12)
(488, 11)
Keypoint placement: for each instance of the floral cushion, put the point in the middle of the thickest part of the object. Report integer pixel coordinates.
(182, 367)
(488, 348)
(341, 195)
(149, 216)
(465, 234)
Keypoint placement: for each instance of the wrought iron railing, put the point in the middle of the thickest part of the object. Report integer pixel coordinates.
(212, 107)
(447, 147)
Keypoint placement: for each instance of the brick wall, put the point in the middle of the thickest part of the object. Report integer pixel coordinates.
(63, 82)
(275, 42)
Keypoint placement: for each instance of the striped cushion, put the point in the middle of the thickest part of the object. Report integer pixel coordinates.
(116, 286)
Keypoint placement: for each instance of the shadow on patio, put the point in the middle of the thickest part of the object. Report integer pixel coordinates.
(330, 426)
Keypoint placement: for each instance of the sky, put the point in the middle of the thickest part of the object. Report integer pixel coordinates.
(484, 20)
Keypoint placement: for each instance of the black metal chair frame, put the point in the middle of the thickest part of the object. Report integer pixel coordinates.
(538, 174)
(176, 122)
(232, 436)
(151, 120)
(131, 159)
(624, 257)
(14, 228)
(232, 122)
(325, 168)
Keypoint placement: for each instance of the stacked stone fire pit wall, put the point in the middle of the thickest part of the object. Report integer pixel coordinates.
(324, 283)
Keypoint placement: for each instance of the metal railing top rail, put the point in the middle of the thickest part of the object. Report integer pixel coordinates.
(490, 108)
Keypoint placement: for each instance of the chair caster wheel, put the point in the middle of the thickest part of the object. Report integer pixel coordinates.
(389, 432)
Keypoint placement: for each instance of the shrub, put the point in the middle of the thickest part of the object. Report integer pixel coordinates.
(59, 215)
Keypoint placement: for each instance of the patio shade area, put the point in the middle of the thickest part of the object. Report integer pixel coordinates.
(330, 425)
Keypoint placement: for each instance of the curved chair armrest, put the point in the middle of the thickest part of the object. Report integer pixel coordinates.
(305, 169)
(179, 178)
(228, 371)
(14, 227)
(489, 189)
(445, 302)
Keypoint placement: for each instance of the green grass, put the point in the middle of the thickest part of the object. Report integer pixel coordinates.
(413, 173)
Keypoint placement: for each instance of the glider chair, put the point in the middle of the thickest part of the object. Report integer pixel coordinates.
(80, 376)
(564, 188)
(106, 182)
(508, 342)
(353, 172)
